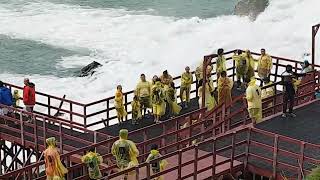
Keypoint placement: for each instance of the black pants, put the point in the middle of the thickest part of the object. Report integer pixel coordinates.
(288, 99)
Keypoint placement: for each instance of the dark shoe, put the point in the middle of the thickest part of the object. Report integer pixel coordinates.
(292, 115)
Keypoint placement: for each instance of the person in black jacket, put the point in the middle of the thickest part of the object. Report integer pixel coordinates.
(289, 91)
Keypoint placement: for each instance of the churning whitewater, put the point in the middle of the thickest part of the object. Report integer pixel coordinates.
(129, 42)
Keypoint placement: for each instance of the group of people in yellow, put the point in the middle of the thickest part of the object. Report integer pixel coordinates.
(126, 154)
(160, 94)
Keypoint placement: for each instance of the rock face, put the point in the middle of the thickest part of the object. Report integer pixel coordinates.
(89, 69)
(251, 8)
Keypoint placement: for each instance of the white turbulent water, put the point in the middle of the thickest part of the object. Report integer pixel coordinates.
(136, 43)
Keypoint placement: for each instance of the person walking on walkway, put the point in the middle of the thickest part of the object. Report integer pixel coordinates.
(125, 152)
(186, 81)
(253, 96)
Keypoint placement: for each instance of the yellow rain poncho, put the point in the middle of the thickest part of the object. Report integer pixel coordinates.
(251, 63)
(136, 110)
(210, 102)
(172, 101)
(121, 112)
(54, 168)
(224, 90)
(296, 83)
(93, 160)
(199, 71)
(158, 97)
(268, 92)
(186, 81)
(166, 80)
(159, 166)
(16, 98)
(221, 64)
(242, 65)
(253, 96)
(143, 91)
(125, 152)
(264, 66)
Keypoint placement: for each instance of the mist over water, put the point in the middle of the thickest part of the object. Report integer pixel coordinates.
(52, 39)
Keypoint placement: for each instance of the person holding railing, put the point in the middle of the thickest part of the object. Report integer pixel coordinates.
(221, 63)
(121, 112)
(253, 96)
(290, 83)
(54, 167)
(171, 98)
(143, 91)
(242, 66)
(158, 100)
(157, 166)
(186, 81)
(264, 65)
(166, 78)
(225, 85)
(125, 152)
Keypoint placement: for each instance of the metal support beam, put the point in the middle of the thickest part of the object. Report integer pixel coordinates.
(315, 29)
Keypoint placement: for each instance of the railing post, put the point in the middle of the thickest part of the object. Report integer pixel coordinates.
(276, 71)
(21, 129)
(275, 157)
(138, 173)
(85, 116)
(49, 106)
(195, 162)
(214, 156)
(108, 113)
(232, 151)
(233, 70)
(44, 130)
(148, 171)
(71, 115)
(246, 162)
(163, 139)
(126, 105)
(179, 163)
(301, 159)
(60, 136)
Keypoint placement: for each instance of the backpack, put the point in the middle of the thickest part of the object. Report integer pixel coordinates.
(5, 96)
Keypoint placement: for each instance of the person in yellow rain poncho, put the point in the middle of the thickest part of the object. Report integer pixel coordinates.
(171, 99)
(186, 81)
(93, 160)
(136, 110)
(264, 65)
(156, 166)
(225, 85)
(125, 152)
(154, 79)
(253, 96)
(199, 71)
(143, 91)
(251, 63)
(166, 78)
(242, 66)
(267, 92)
(158, 100)
(221, 62)
(121, 112)
(210, 102)
(54, 168)
(16, 98)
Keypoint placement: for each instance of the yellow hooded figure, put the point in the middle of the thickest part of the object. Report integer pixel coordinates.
(264, 64)
(158, 100)
(224, 88)
(16, 98)
(121, 112)
(253, 96)
(241, 64)
(210, 102)
(251, 63)
(221, 62)
(93, 160)
(172, 99)
(125, 152)
(157, 166)
(54, 168)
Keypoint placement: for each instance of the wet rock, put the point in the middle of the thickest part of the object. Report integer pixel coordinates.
(89, 69)
(251, 8)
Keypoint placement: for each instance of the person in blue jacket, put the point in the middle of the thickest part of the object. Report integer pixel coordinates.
(5, 99)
